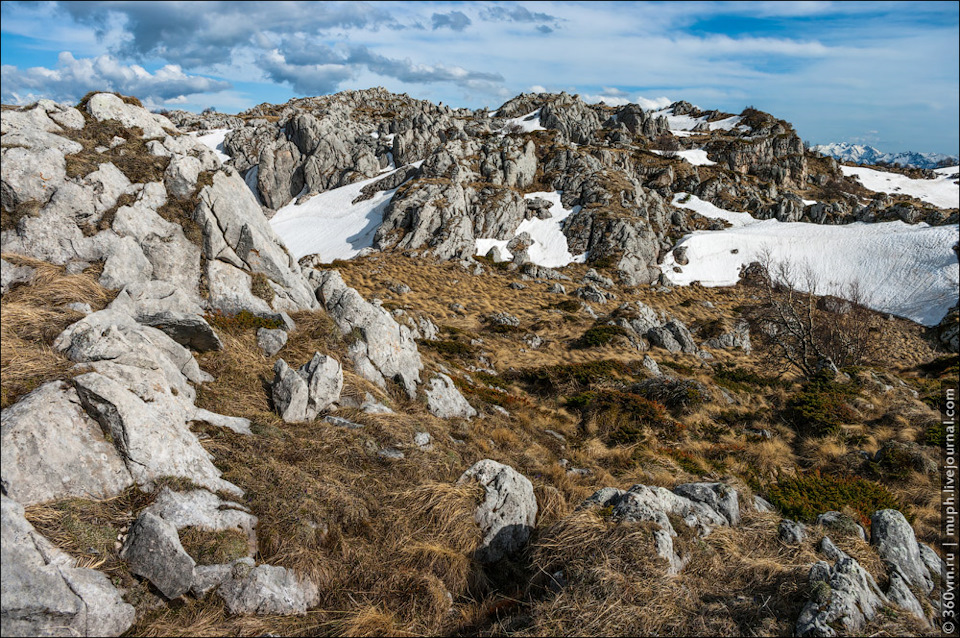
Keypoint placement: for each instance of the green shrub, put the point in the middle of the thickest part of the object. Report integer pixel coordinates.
(598, 336)
(741, 380)
(574, 377)
(677, 394)
(820, 408)
(568, 305)
(806, 496)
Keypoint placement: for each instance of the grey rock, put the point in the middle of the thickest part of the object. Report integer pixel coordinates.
(508, 512)
(900, 595)
(390, 453)
(52, 450)
(267, 590)
(445, 401)
(324, 377)
(106, 106)
(841, 522)
(664, 338)
(11, 275)
(188, 330)
(845, 595)
(682, 336)
(43, 594)
(386, 349)
(717, 496)
(762, 505)
(896, 543)
(289, 392)
(200, 508)
(934, 563)
(503, 319)
(271, 340)
(30, 176)
(651, 365)
(423, 440)
(739, 337)
(370, 405)
(181, 175)
(238, 424)
(153, 550)
(557, 289)
(791, 532)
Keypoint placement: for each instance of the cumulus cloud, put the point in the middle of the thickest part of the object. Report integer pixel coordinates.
(74, 77)
(205, 33)
(455, 20)
(321, 69)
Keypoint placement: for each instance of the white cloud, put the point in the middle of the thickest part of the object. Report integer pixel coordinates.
(655, 104)
(74, 77)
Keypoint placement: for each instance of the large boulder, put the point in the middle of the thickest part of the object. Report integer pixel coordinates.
(508, 511)
(445, 401)
(896, 543)
(107, 106)
(44, 594)
(52, 450)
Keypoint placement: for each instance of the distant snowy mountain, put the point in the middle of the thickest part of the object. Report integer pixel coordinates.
(861, 154)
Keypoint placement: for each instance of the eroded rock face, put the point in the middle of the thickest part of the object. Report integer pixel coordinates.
(508, 512)
(386, 349)
(153, 550)
(299, 395)
(43, 594)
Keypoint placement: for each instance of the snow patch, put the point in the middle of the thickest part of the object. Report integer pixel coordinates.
(906, 270)
(550, 244)
(529, 122)
(695, 156)
(214, 140)
(942, 192)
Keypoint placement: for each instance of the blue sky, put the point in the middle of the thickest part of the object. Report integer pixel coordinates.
(879, 73)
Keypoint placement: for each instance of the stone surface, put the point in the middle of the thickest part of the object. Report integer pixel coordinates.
(271, 340)
(43, 594)
(52, 450)
(508, 512)
(896, 543)
(153, 550)
(445, 401)
(266, 589)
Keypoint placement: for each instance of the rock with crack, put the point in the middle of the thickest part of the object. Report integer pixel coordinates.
(171, 309)
(299, 395)
(271, 340)
(897, 545)
(445, 401)
(238, 243)
(844, 595)
(44, 594)
(52, 450)
(203, 509)
(385, 349)
(508, 511)
(153, 550)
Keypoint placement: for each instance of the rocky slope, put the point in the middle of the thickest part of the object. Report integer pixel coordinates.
(197, 425)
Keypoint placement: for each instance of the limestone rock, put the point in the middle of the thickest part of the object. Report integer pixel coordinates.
(445, 401)
(271, 341)
(153, 551)
(508, 512)
(267, 590)
(106, 106)
(897, 545)
(43, 594)
(52, 450)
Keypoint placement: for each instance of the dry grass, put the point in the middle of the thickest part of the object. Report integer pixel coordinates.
(32, 316)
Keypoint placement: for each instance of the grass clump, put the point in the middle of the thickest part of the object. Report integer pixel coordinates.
(568, 305)
(598, 336)
(132, 157)
(214, 548)
(242, 321)
(677, 394)
(743, 380)
(820, 408)
(806, 496)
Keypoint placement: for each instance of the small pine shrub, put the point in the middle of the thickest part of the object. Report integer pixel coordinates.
(677, 394)
(571, 378)
(598, 336)
(806, 496)
(448, 347)
(820, 408)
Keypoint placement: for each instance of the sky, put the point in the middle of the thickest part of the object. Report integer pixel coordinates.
(879, 73)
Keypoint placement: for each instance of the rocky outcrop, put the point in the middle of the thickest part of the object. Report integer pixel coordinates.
(508, 511)
(701, 506)
(299, 395)
(445, 401)
(385, 349)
